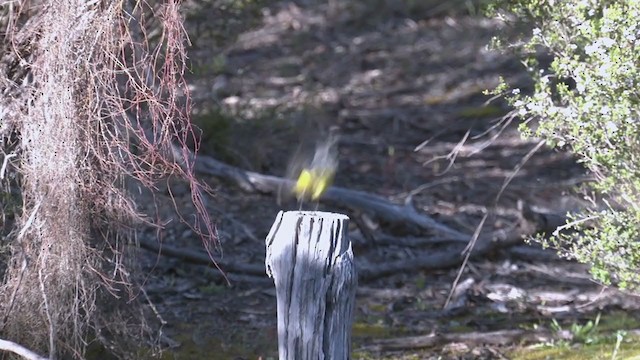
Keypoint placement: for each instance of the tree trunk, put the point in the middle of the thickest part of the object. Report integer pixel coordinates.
(309, 257)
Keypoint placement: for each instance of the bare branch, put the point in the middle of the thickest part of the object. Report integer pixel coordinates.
(20, 350)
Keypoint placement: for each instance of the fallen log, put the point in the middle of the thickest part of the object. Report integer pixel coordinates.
(351, 199)
(432, 261)
(382, 209)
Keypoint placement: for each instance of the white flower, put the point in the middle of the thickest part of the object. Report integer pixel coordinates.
(599, 46)
(606, 41)
(568, 112)
(515, 91)
(629, 33)
(592, 49)
(603, 70)
(534, 107)
(605, 110)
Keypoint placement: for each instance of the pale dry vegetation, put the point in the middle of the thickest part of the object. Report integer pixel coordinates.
(90, 108)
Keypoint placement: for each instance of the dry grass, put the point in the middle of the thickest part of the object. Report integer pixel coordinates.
(87, 105)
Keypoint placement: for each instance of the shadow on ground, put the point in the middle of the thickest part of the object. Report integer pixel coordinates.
(390, 80)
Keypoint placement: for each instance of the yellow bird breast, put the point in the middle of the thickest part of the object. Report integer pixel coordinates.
(320, 185)
(312, 183)
(304, 184)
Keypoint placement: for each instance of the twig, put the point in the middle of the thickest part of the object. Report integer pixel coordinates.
(430, 185)
(23, 268)
(518, 168)
(472, 243)
(29, 221)
(467, 252)
(451, 156)
(4, 165)
(573, 223)
(47, 310)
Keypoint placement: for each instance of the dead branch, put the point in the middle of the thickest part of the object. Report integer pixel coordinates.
(435, 260)
(375, 205)
(532, 253)
(394, 213)
(20, 350)
(432, 261)
(501, 337)
(405, 241)
(201, 258)
(450, 257)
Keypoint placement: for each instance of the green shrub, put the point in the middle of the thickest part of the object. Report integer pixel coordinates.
(594, 43)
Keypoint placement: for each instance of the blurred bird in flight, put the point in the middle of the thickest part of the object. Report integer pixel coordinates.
(312, 169)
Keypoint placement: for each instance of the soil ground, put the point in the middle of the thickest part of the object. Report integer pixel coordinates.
(390, 78)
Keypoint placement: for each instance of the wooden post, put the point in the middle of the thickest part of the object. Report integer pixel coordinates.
(309, 257)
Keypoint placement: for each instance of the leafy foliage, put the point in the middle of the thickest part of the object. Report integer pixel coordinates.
(587, 100)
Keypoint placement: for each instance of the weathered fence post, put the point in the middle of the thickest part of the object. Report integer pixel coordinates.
(309, 257)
